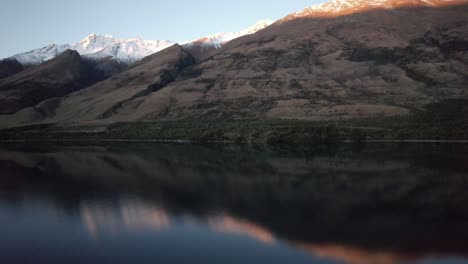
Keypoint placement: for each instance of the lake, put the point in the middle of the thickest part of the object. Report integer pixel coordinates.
(216, 203)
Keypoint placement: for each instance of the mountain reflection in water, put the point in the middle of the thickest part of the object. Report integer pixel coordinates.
(146, 203)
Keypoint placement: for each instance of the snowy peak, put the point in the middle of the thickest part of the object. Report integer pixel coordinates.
(38, 56)
(217, 40)
(337, 7)
(97, 47)
(124, 50)
(127, 50)
(261, 24)
(94, 43)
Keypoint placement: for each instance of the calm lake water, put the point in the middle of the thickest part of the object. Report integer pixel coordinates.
(182, 203)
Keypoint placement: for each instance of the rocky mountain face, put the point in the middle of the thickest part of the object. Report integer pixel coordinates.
(381, 62)
(9, 67)
(56, 78)
(362, 60)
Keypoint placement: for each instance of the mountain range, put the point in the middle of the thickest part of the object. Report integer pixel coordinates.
(336, 61)
(100, 58)
(127, 50)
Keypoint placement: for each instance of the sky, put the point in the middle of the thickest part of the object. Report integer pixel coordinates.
(30, 24)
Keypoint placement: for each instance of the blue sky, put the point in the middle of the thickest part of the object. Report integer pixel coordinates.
(29, 24)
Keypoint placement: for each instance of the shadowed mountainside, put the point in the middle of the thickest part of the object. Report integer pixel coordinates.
(9, 67)
(65, 74)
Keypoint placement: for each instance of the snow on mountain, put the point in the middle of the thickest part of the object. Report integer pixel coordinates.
(261, 24)
(124, 50)
(38, 56)
(335, 7)
(217, 40)
(127, 50)
(96, 47)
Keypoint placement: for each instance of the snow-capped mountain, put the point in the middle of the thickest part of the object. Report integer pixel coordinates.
(96, 47)
(336, 7)
(40, 55)
(126, 50)
(217, 40)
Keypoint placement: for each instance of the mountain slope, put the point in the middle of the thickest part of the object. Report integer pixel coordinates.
(9, 67)
(109, 97)
(374, 63)
(62, 75)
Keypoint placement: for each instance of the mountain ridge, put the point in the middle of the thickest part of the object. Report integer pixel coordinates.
(127, 50)
(341, 7)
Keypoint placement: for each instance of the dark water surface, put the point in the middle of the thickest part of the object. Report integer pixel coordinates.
(169, 203)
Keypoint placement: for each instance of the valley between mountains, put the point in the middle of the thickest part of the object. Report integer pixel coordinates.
(343, 70)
